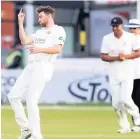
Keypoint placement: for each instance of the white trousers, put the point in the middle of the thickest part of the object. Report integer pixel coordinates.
(30, 83)
(123, 103)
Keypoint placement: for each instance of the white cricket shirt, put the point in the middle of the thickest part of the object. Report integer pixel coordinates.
(47, 38)
(137, 62)
(120, 70)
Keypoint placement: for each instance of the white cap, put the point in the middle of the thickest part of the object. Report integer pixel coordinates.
(133, 23)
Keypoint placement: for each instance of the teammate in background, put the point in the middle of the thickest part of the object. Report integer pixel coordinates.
(134, 26)
(14, 58)
(44, 47)
(119, 48)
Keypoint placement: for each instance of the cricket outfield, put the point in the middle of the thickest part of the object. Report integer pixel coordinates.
(70, 122)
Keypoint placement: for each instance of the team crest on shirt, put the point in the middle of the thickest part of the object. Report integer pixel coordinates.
(61, 38)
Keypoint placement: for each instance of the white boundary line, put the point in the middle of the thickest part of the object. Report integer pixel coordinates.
(69, 107)
(85, 136)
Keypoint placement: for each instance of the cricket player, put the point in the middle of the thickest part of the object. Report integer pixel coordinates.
(119, 48)
(44, 47)
(134, 26)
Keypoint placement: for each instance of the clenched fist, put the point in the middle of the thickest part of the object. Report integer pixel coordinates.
(122, 56)
(21, 16)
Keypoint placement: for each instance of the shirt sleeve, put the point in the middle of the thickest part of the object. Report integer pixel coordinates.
(60, 37)
(104, 46)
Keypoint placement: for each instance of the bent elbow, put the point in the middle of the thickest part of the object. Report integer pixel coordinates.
(59, 49)
(102, 58)
(23, 42)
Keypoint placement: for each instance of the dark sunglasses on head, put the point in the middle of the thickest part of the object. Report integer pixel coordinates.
(132, 28)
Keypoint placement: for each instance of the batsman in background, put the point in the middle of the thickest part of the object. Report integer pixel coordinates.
(44, 47)
(119, 48)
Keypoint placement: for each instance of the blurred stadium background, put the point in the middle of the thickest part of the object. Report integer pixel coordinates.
(80, 83)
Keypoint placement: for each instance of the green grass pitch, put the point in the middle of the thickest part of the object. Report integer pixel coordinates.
(70, 122)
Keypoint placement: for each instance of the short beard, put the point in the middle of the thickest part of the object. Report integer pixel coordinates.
(117, 33)
(43, 25)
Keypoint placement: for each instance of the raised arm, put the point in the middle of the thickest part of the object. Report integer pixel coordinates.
(23, 38)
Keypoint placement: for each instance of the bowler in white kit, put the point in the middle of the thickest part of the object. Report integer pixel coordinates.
(119, 48)
(44, 46)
